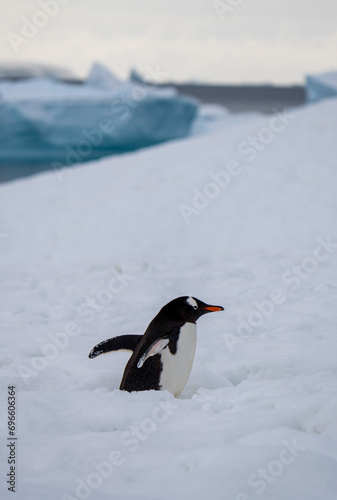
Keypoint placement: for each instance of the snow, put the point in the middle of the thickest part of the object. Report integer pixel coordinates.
(53, 122)
(321, 86)
(243, 217)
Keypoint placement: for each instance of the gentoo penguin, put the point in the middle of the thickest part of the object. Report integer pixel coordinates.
(162, 358)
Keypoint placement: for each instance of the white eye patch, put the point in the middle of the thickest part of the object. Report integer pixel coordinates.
(192, 302)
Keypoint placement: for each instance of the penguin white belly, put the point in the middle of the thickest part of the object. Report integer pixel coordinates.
(177, 367)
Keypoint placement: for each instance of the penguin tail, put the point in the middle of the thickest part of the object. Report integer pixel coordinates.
(122, 343)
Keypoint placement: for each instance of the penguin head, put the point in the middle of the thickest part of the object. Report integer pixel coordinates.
(188, 309)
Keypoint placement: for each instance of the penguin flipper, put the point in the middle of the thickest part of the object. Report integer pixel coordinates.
(154, 348)
(122, 343)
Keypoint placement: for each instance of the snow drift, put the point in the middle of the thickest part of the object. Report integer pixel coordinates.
(244, 217)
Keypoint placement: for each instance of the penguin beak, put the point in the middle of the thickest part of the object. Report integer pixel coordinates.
(213, 308)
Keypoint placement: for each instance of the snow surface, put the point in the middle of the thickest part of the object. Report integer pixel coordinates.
(98, 251)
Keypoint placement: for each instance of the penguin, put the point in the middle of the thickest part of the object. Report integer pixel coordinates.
(162, 357)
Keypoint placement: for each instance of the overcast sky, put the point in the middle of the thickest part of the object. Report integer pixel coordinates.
(277, 41)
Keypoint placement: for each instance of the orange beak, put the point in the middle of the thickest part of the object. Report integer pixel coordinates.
(214, 308)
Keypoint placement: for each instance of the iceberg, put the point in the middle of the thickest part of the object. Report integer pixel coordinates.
(44, 120)
(321, 86)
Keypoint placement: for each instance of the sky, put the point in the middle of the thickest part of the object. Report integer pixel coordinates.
(217, 41)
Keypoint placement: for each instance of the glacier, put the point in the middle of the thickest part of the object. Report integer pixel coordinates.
(44, 120)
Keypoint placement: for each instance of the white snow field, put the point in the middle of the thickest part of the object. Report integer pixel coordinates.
(244, 217)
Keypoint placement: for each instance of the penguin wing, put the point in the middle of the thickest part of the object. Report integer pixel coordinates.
(122, 343)
(154, 348)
